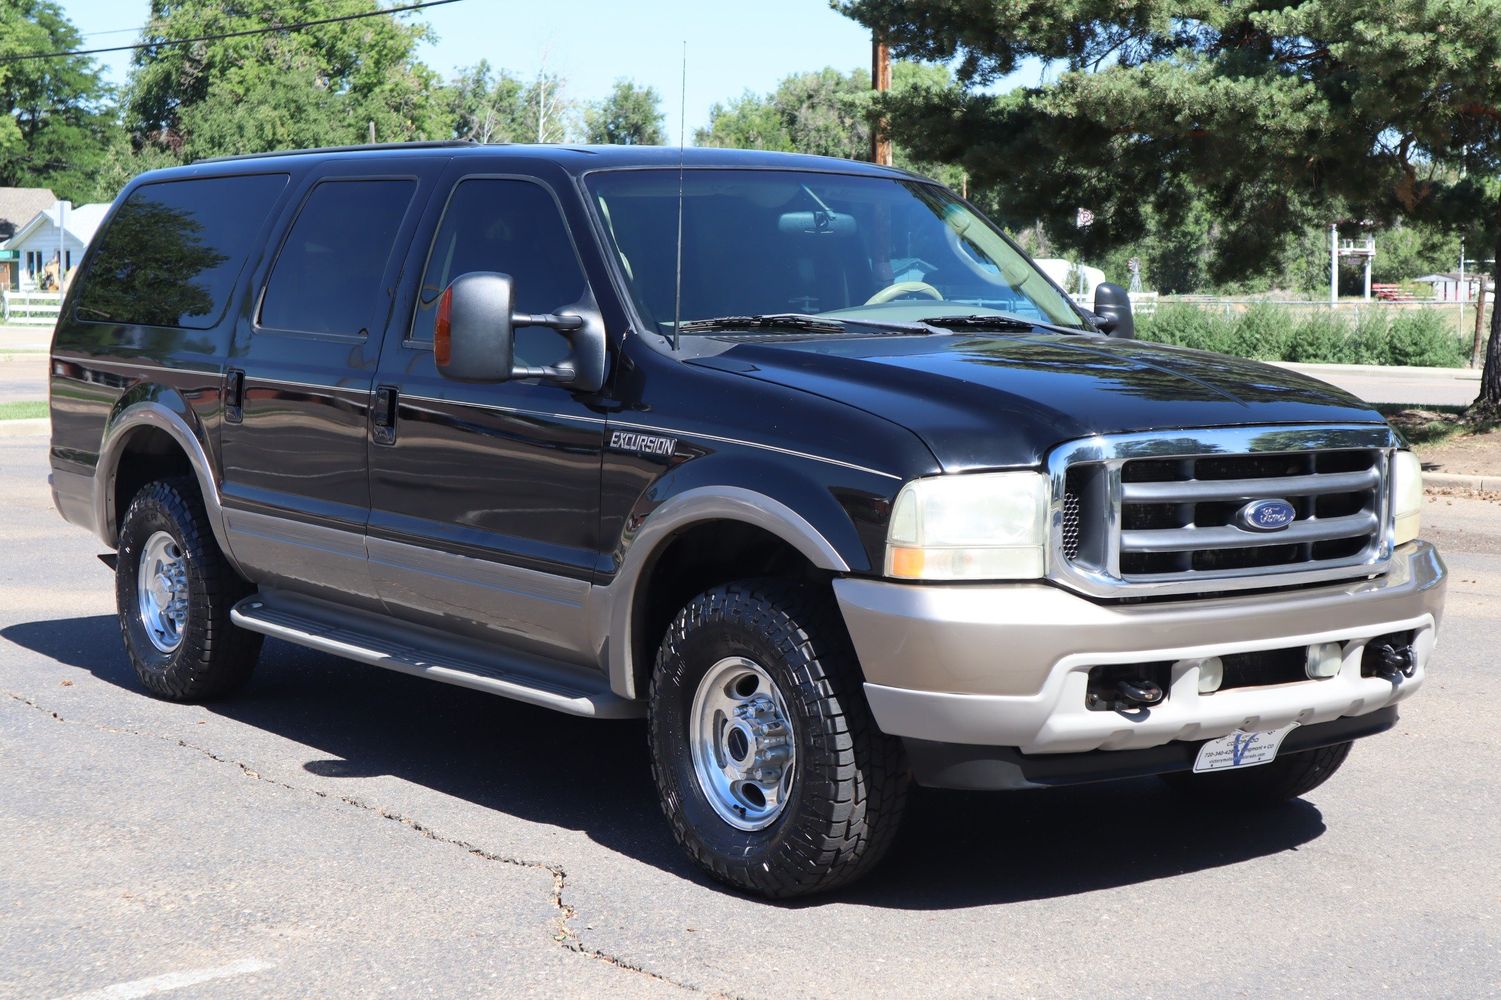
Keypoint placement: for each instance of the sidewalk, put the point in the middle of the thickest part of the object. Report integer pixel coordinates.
(26, 338)
(1398, 384)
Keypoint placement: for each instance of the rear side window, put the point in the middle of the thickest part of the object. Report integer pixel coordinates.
(513, 227)
(327, 278)
(174, 250)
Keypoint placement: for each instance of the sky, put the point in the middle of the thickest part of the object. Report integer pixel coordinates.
(732, 47)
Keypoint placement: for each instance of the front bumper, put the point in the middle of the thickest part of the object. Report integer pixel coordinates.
(1007, 665)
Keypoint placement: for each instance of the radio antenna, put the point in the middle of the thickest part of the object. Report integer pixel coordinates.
(677, 296)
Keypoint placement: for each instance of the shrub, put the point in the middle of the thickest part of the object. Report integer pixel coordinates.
(1425, 338)
(1367, 336)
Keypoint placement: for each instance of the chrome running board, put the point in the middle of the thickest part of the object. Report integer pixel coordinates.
(411, 649)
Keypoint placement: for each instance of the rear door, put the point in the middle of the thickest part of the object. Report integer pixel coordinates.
(485, 497)
(296, 488)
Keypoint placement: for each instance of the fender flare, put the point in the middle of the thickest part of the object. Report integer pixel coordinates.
(612, 608)
(154, 414)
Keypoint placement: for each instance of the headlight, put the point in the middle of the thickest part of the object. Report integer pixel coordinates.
(988, 526)
(1407, 495)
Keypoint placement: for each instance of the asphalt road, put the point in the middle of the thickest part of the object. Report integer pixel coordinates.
(338, 830)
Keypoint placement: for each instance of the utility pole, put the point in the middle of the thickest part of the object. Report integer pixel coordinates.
(880, 82)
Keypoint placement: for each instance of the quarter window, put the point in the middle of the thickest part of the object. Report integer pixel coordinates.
(174, 250)
(328, 276)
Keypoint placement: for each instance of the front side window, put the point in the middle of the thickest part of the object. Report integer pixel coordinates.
(174, 250)
(759, 242)
(327, 278)
(510, 227)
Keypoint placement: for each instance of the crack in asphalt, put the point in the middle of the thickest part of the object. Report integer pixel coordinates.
(563, 935)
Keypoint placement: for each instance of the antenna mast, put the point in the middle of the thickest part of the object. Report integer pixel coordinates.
(677, 303)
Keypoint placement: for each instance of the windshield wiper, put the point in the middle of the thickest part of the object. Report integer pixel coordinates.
(796, 322)
(981, 321)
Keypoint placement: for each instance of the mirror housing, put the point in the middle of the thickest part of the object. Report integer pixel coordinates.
(1112, 308)
(474, 335)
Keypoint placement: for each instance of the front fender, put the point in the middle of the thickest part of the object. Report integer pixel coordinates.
(808, 508)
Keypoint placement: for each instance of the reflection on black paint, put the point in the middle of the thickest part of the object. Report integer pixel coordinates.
(171, 254)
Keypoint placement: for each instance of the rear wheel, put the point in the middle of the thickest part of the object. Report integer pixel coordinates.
(769, 766)
(173, 590)
(1285, 778)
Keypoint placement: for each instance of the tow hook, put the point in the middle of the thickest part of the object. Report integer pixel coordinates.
(1130, 695)
(1392, 662)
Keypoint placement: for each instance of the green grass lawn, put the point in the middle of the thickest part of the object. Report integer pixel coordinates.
(23, 410)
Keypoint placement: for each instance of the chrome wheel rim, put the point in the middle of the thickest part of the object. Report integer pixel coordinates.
(162, 591)
(743, 745)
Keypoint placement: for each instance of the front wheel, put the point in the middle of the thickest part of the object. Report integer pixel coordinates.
(769, 766)
(1287, 777)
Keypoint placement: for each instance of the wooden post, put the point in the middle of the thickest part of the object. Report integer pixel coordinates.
(880, 81)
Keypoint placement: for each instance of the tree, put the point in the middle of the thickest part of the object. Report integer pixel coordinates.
(1274, 118)
(59, 121)
(826, 113)
(630, 116)
(750, 121)
(488, 106)
(320, 85)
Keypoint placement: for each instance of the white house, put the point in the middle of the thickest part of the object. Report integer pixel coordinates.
(36, 242)
(1448, 288)
(1079, 280)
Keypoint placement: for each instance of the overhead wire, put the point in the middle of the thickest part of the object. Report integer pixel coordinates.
(293, 26)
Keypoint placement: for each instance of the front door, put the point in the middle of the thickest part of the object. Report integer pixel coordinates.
(485, 497)
(297, 396)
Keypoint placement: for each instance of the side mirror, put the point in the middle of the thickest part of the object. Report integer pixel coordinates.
(474, 335)
(1112, 306)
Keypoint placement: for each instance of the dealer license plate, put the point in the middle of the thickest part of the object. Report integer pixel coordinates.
(1240, 749)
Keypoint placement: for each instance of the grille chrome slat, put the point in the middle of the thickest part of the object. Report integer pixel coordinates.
(1195, 539)
(1197, 490)
(1156, 513)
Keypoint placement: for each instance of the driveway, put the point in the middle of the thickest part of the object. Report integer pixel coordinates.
(338, 830)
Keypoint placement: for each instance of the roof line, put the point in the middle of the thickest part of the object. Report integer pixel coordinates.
(362, 147)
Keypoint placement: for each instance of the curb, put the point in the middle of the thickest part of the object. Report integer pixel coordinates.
(1453, 481)
(24, 428)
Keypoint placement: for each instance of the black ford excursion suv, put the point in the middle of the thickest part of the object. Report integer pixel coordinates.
(800, 458)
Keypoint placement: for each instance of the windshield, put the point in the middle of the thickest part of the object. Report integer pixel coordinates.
(758, 242)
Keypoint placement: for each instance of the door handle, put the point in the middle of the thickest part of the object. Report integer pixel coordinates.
(383, 415)
(234, 396)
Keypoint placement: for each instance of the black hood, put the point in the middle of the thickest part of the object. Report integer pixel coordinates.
(997, 400)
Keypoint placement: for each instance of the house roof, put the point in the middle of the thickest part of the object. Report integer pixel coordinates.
(1452, 276)
(19, 205)
(81, 222)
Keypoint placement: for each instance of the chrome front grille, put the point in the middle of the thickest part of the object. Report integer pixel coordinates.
(1166, 513)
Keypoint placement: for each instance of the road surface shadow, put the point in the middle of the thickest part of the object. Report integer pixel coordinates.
(956, 849)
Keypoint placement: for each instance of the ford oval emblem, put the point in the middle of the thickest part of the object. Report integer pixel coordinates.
(1266, 515)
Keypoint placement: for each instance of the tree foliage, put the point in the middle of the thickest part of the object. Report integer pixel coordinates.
(1272, 117)
(630, 116)
(827, 113)
(60, 127)
(320, 85)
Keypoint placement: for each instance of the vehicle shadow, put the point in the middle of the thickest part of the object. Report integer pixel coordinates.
(956, 849)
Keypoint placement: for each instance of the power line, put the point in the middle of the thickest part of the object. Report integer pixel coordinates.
(228, 34)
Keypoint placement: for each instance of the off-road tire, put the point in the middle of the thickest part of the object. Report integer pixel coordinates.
(851, 780)
(1285, 778)
(214, 657)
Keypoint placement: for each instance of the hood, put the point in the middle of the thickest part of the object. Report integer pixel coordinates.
(997, 400)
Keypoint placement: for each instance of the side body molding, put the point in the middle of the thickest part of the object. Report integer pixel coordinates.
(151, 413)
(611, 608)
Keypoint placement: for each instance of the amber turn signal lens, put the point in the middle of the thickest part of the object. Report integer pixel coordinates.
(442, 344)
